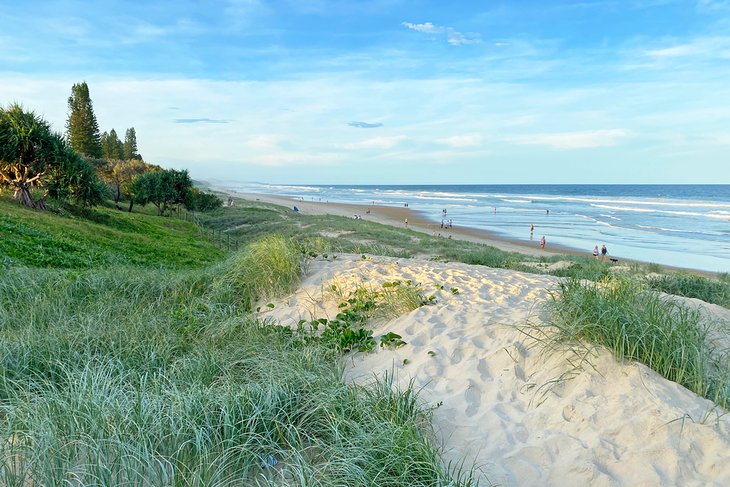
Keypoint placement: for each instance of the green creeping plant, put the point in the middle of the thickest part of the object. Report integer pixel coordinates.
(391, 339)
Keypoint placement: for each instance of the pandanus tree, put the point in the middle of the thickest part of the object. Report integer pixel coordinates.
(28, 151)
(32, 156)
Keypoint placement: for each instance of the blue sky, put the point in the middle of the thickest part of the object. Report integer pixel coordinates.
(389, 91)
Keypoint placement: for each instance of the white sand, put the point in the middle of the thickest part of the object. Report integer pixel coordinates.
(525, 415)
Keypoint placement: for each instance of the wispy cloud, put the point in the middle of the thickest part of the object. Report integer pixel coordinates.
(201, 120)
(378, 142)
(364, 125)
(575, 140)
(264, 142)
(700, 47)
(453, 37)
(465, 140)
(712, 6)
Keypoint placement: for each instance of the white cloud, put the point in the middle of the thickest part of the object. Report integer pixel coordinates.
(575, 140)
(426, 27)
(377, 143)
(700, 47)
(293, 158)
(675, 51)
(465, 140)
(264, 142)
(458, 39)
(453, 37)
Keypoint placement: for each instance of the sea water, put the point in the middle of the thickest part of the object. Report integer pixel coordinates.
(678, 225)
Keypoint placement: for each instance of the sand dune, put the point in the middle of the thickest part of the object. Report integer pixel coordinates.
(523, 414)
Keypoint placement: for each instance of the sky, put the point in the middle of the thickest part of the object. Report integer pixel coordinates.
(390, 91)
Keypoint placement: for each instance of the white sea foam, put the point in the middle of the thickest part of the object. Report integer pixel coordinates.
(647, 202)
(673, 230)
(664, 212)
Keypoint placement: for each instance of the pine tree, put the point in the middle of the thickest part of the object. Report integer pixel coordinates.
(82, 129)
(130, 145)
(111, 146)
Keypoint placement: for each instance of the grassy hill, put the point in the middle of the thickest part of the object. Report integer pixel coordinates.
(69, 238)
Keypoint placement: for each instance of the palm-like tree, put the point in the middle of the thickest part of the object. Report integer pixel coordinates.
(28, 151)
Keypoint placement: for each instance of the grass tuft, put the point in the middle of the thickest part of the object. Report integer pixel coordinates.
(637, 324)
(266, 268)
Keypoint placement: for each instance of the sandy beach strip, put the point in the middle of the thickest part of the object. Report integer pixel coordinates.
(396, 216)
(524, 414)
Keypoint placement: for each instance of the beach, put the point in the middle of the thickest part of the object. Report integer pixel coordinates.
(396, 216)
(521, 413)
(678, 226)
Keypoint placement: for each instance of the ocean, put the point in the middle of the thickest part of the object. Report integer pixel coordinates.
(678, 225)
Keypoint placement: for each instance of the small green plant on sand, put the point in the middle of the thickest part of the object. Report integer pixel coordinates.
(391, 339)
(346, 331)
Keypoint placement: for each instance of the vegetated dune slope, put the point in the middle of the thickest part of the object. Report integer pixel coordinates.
(525, 415)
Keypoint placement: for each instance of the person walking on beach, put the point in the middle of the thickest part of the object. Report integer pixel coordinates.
(532, 230)
(604, 252)
(406, 222)
(542, 242)
(595, 251)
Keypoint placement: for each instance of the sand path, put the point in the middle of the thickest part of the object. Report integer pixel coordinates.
(524, 415)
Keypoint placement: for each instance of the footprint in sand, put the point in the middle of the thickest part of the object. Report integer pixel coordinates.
(483, 370)
(456, 356)
(473, 398)
(568, 412)
(520, 373)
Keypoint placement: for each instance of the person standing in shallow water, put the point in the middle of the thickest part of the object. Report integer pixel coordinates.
(542, 242)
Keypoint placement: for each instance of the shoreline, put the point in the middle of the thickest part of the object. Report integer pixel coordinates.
(395, 216)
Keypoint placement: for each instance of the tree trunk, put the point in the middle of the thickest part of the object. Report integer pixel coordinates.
(131, 203)
(22, 196)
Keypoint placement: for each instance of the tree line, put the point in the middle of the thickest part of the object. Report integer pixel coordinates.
(86, 166)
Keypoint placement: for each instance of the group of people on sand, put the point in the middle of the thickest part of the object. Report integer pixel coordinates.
(603, 253)
(542, 239)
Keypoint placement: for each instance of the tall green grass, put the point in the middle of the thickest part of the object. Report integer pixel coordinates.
(158, 377)
(266, 268)
(715, 291)
(637, 324)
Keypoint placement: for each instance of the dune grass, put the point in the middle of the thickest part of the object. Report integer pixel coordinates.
(266, 268)
(635, 323)
(715, 291)
(158, 377)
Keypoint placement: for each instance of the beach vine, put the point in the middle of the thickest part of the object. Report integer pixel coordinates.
(347, 330)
